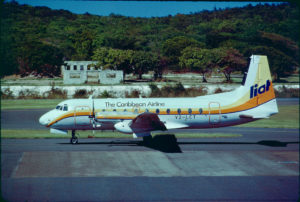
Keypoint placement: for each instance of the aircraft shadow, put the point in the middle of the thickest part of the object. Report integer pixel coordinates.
(163, 143)
(168, 143)
(270, 143)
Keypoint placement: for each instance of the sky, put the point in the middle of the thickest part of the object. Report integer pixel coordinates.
(135, 8)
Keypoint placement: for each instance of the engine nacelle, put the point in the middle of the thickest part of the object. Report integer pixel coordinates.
(56, 131)
(123, 127)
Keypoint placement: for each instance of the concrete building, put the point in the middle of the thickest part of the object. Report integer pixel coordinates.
(110, 76)
(80, 72)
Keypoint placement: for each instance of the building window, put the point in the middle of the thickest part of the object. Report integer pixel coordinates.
(81, 68)
(111, 75)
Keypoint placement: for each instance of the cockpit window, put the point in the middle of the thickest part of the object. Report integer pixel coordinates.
(57, 107)
(65, 108)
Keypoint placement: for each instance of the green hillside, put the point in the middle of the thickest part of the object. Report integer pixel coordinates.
(38, 39)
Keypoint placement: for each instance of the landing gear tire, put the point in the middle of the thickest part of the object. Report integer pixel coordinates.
(74, 139)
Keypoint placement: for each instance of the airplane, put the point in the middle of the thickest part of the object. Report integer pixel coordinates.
(254, 100)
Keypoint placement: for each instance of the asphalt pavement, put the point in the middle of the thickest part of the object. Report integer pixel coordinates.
(253, 167)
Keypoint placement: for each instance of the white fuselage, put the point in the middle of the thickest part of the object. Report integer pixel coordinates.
(199, 112)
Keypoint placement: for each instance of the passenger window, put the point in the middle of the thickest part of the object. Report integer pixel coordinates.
(179, 111)
(136, 111)
(200, 111)
(157, 111)
(190, 110)
(103, 110)
(168, 111)
(114, 110)
(125, 110)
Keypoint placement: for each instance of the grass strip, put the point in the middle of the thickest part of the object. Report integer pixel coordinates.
(29, 103)
(35, 134)
(288, 117)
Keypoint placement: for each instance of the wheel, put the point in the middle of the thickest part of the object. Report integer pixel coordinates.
(74, 140)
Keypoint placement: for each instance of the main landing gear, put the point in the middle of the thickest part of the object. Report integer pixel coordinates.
(74, 138)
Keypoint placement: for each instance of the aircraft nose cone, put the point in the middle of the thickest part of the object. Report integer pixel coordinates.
(44, 120)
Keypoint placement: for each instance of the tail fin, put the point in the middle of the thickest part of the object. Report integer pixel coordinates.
(259, 87)
(259, 80)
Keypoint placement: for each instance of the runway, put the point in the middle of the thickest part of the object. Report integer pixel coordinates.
(260, 165)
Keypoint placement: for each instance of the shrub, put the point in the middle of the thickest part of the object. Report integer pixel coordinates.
(194, 92)
(285, 92)
(105, 94)
(56, 93)
(7, 94)
(133, 94)
(155, 91)
(29, 94)
(177, 90)
(218, 90)
(80, 93)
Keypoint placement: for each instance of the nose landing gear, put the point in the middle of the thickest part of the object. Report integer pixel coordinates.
(74, 138)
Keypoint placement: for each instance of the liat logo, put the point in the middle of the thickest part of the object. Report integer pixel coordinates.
(254, 90)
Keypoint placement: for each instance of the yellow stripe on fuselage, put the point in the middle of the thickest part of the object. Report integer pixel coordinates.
(242, 104)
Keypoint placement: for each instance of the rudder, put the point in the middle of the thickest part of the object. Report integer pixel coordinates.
(259, 80)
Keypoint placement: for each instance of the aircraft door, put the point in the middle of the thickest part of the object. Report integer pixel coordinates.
(214, 113)
(81, 116)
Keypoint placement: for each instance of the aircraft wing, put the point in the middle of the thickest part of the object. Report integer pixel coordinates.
(144, 123)
(147, 122)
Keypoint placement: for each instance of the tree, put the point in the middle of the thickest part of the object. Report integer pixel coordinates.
(172, 47)
(142, 62)
(229, 60)
(83, 44)
(40, 58)
(114, 59)
(280, 64)
(198, 60)
(160, 67)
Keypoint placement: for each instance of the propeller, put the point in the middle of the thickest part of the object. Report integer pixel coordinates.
(94, 124)
(92, 116)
